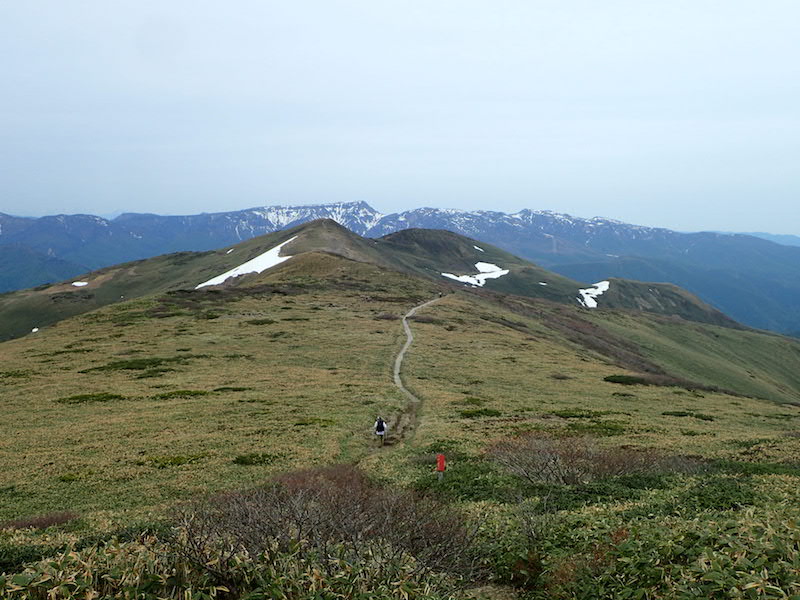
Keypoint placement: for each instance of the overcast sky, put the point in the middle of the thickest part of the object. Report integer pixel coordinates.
(676, 113)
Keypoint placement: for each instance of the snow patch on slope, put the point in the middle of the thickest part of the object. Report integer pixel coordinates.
(80, 283)
(260, 263)
(485, 271)
(588, 296)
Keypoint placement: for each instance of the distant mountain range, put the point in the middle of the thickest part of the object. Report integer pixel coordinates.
(786, 240)
(753, 280)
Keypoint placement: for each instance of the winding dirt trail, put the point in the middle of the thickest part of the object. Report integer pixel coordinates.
(403, 426)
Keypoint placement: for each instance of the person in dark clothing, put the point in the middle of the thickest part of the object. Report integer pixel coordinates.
(380, 429)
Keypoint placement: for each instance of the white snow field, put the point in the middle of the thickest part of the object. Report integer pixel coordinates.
(260, 263)
(481, 249)
(589, 295)
(80, 283)
(485, 271)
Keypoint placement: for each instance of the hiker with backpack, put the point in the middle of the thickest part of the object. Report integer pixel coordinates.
(380, 429)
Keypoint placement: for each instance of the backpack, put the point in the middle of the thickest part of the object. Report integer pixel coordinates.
(379, 426)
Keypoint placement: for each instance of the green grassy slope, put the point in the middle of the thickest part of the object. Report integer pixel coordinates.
(120, 413)
(23, 310)
(202, 378)
(272, 336)
(750, 362)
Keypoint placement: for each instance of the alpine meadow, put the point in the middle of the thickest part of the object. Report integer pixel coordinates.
(173, 430)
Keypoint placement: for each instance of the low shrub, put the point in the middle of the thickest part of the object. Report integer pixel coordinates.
(41, 521)
(208, 315)
(180, 394)
(140, 364)
(84, 398)
(478, 413)
(702, 416)
(761, 468)
(577, 413)
(468, 479)
(330, 516)
(152, 568)
(387, 317)
(687, 413)
(256, 458)
(471, 401)
(717, 493)
(682, 558)
(156, 372)
(625, 380)
(676, 413)
(261, 321)
(597, 428)
(426, 319)
(15, 374)
(573, 460)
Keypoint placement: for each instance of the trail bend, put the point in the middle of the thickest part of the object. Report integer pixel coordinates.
(404, 425)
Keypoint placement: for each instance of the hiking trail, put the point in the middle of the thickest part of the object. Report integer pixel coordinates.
(402, 426)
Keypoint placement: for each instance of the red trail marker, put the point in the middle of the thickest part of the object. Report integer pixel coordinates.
(441, 465)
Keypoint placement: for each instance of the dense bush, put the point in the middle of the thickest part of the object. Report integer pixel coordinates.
(717, 493)
(151, 569)
(752, 556)
(469, 479)
(540, 459)
(320, 533)
(334, 515)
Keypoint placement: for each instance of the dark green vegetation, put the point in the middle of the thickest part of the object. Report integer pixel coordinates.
(81, 398)
(150, 450)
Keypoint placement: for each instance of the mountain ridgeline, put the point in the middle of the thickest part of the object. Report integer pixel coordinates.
(753, 280)
(324, 253)
(449, 259)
